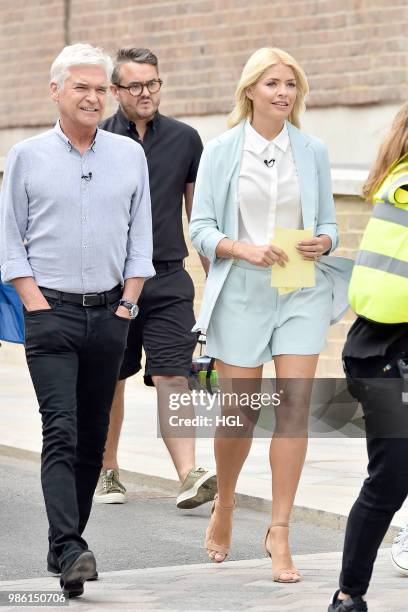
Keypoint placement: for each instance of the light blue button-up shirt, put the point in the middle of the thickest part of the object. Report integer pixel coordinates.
(76, 223)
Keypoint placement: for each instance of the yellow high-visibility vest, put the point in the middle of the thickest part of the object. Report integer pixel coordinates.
(378, 288)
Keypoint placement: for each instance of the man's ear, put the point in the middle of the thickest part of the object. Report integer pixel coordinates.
(114, 91)
(54, 90)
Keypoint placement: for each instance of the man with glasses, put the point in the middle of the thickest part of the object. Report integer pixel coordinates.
(163, 326)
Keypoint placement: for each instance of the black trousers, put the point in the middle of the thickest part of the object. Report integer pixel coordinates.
(386, 488)
(74, 355)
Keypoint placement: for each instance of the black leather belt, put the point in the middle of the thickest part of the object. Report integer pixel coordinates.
(86, 299)
(164, 266)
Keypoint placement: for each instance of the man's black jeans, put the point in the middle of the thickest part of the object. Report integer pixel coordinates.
(386, 488)
(74, 356)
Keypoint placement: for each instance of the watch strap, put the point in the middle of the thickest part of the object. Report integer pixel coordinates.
(127, 304)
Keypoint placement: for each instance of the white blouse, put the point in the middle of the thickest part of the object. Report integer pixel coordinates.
(268, 197)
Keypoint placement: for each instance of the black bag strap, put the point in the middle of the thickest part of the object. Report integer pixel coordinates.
(208, 375)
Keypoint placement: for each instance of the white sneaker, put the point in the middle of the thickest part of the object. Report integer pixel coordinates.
(399, 552)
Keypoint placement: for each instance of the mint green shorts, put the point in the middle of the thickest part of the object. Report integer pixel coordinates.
(251, 323)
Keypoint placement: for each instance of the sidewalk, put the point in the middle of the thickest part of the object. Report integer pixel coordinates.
(331, 480)
(231, 586)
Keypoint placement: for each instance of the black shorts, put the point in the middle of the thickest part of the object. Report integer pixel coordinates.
(163, 326)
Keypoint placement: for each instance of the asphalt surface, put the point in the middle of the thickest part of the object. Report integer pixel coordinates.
(148, 531)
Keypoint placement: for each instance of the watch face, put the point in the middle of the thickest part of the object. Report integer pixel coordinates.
(132, 308)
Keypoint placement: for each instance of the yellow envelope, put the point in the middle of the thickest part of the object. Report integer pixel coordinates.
(297, 271)
(283, 290)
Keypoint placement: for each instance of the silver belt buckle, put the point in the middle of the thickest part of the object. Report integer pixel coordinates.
(87, 295)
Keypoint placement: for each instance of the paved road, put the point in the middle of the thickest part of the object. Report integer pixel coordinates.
(146, 532)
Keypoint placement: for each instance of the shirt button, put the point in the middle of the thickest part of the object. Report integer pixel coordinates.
(83, 218)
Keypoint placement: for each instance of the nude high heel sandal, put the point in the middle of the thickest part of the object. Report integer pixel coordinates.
(210, 543)
(277, 574)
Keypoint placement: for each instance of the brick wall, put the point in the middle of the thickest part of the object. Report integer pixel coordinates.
(354, 51)
(31, 34)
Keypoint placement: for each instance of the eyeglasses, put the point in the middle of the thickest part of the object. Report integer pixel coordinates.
(135, 89)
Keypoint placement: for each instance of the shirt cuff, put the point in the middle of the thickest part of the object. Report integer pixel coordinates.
(331, 232)
(210, 243)
(16, 268)
(139, 268)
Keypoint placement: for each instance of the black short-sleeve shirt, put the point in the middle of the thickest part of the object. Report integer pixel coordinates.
(173, 150)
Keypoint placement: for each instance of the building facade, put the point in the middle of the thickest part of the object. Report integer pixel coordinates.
(355, 53)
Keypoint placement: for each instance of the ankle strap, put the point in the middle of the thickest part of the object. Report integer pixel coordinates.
(219, 505)
(279, 525)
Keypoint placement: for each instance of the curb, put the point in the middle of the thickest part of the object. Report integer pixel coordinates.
(312, 516)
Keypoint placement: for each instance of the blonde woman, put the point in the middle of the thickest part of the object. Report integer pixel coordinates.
(261, 174)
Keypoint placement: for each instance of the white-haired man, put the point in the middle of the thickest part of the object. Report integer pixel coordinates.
(76, 242)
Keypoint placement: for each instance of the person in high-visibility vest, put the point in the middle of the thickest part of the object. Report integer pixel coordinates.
(381, 267)
(375, 360)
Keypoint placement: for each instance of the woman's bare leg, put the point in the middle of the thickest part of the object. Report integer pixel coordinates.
(230, 451)
(288, 449)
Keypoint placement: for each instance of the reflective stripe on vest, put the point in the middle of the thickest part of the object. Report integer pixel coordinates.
(382, 262)
(387, 212)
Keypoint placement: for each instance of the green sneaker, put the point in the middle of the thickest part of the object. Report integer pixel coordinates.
(109, 489)
(199, 487)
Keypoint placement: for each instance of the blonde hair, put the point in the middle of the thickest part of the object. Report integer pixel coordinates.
(253, 70)
(394, 148)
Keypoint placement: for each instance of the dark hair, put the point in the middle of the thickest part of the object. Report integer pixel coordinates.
(132, 54)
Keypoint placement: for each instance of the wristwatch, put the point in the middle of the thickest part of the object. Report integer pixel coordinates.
(132, 308)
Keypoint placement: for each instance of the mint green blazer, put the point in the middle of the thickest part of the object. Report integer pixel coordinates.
(215, 209)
